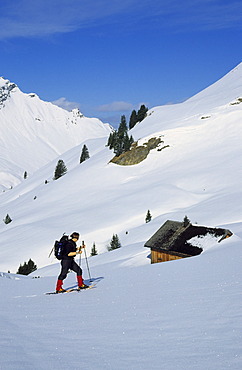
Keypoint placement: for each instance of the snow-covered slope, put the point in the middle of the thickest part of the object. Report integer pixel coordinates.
(213, 100)
(180, 315)
(198, 175)
(33, 132)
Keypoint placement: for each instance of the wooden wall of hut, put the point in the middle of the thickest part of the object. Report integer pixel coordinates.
(157, 257)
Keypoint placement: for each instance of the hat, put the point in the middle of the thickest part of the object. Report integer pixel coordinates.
(75, 235)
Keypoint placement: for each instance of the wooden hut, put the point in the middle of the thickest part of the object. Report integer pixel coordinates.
(171, 240)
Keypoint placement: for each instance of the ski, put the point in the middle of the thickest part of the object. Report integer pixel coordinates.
(73, 290)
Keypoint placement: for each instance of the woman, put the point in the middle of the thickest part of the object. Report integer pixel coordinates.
(70, 250)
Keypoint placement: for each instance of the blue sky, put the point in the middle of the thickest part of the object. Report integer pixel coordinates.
(109, 56)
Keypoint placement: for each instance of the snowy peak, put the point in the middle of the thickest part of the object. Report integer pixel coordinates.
(34, 132)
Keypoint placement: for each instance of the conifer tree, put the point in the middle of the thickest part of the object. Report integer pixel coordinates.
(114, 243)
(186, 221)
(126, 142)
(110, 140)
(148, 216)
(7, 219)
(142, 112)
(60, 169)
(94, 250)
(133, 119)
(118, 146)
(122, 127)
(115, 140)
(85, 154)
(131, 141)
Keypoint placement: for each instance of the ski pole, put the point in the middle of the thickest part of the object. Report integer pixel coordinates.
(51, 252)
(87, 261)
(80, 257)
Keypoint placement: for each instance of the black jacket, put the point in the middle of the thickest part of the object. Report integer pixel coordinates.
(70, 246)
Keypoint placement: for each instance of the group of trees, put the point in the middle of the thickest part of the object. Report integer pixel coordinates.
(119, 140)
(114, 243)
(137, 116)
(27, 268)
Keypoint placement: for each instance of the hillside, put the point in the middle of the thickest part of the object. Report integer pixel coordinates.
(199, 175)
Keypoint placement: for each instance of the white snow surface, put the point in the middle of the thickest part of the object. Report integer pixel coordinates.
(184, 314)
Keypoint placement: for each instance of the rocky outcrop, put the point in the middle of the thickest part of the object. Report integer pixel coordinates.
(5, 90)
(138, 153)
(238, 101)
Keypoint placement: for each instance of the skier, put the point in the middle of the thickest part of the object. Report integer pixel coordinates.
(68, 262)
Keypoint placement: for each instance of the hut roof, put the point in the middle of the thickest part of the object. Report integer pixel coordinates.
(173, 238)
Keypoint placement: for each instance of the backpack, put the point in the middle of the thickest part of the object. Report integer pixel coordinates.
(59, 246)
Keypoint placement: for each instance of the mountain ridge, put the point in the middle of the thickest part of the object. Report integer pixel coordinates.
(34, 132)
